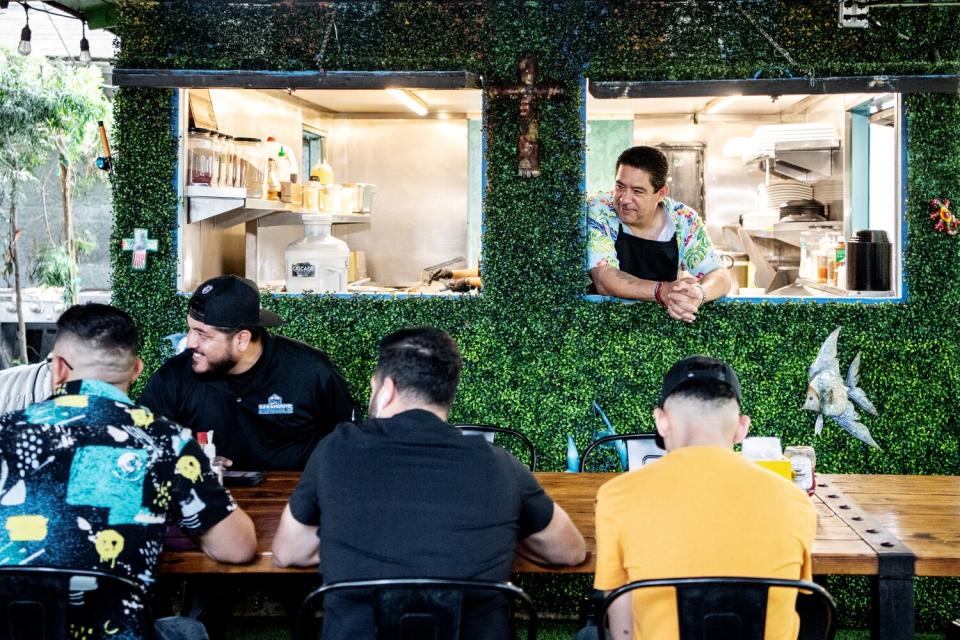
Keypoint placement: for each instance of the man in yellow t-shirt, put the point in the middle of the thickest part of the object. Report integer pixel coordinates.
(701, 510)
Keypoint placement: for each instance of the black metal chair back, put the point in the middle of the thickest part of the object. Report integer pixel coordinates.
(735, 608)
(642, 449)
(419, 608)
(490, 432)
(35, 601)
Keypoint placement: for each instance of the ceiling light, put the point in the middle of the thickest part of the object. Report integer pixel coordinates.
(719, 103)
(85, 56)
(410, 100)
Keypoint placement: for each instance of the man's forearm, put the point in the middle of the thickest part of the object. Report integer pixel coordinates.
(716, 284)
(614, 282)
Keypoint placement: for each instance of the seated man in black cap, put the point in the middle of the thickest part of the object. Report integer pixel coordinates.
(268, 399)
(701, 510)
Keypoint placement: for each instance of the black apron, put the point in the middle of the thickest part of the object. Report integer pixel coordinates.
(657, 260)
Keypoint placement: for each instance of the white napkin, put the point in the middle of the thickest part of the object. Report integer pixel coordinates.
(767, 448)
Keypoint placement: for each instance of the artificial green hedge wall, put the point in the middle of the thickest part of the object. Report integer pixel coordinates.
(536, 354)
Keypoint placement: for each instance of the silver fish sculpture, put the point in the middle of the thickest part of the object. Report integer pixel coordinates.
(828, 394)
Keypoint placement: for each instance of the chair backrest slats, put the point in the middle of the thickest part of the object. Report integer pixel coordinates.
(734, 608)
(641, 448)
(419, 608)
(490, 432)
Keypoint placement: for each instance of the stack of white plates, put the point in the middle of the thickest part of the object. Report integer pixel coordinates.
(781, 192)
(828, 191)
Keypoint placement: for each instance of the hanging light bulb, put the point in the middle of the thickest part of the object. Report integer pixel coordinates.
(85, 56)
(24, 47)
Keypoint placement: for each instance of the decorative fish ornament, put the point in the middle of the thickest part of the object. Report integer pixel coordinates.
(828, 394)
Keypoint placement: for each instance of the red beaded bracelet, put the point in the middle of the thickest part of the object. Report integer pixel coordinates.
(656, 294)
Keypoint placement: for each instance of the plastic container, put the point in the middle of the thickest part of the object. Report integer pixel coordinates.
(311, 195)
(251, 166)
(869, 261)
(319, 262)
(201, 157)
(332, 198)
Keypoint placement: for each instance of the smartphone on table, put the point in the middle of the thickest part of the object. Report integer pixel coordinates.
(243, 478)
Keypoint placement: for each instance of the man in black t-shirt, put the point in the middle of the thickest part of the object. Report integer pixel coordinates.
(268, 399)
(407, 495)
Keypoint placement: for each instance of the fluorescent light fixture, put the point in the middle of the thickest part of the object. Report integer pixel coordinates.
(719, 103)
(410, 100)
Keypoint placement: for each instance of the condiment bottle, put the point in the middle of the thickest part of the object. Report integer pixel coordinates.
(323, 172)
(273, 179)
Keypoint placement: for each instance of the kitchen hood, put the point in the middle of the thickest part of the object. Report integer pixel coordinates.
(806, 152)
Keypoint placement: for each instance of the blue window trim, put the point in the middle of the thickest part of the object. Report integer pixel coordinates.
(904, 229)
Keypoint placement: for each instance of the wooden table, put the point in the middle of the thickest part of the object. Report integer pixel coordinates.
(887, 527)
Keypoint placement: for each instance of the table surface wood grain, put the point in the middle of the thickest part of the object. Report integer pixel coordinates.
(922, 511)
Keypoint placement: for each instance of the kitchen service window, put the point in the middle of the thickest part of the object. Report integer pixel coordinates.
(801, 192)
(361, 188)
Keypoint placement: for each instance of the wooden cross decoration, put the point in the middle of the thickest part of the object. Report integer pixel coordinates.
(528, 144)
(139, 244)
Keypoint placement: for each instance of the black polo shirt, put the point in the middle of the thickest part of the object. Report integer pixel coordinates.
(411, 496)
(270, 417)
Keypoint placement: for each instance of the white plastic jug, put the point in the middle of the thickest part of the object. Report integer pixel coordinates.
(319, 262)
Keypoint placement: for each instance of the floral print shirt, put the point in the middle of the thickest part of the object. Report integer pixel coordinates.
(89, 480)
(697, 255)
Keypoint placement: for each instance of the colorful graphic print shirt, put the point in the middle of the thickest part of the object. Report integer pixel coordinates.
(89, 480)
(697, 255)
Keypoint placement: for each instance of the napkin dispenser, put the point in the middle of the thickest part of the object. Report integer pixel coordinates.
(768, 453)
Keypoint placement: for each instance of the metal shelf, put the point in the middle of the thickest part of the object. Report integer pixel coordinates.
(826, 288)
(228, 207)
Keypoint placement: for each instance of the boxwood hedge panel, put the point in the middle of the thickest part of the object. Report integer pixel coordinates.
(536, 354)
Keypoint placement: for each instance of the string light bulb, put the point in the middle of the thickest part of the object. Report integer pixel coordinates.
(24, 48)
(85, 57)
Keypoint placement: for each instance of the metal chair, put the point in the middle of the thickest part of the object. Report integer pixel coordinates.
(735, 608)
(642, 449)
(490, 431)
(419, 608)
(34, 601)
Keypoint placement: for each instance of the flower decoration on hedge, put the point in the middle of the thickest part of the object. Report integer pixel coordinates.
(946, 221)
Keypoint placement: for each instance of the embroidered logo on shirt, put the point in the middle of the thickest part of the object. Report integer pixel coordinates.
(275, 405)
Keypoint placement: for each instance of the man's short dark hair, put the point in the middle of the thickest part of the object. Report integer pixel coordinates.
(705, 390)
(650, 160)
(99, 326)
(423, 362)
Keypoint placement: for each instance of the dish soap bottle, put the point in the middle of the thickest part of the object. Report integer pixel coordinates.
(319, 262)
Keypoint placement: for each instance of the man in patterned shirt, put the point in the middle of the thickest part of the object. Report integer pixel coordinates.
(638, 239)
(89, 480)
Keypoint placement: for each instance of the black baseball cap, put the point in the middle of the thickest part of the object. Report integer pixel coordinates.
(230, 302)
(698, 367)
